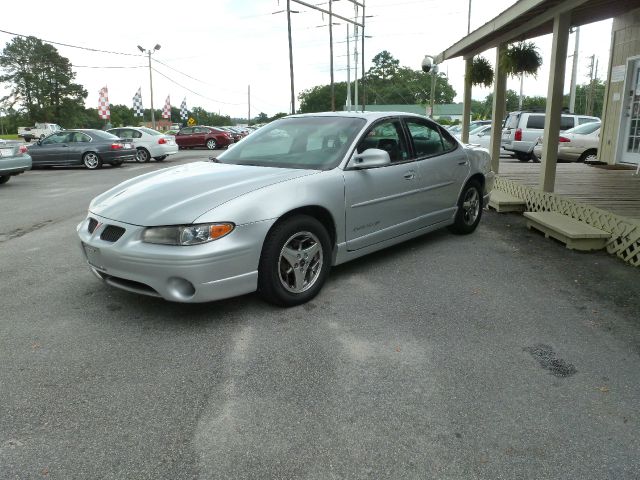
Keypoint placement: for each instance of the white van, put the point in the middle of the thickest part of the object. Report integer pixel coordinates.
(522, 129)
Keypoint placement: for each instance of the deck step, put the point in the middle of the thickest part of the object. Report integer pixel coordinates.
(576, 235)
(504, 202)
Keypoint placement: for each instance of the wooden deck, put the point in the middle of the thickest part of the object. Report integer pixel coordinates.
(614, 190)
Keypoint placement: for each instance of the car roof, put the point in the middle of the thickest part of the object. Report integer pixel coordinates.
(369, 116)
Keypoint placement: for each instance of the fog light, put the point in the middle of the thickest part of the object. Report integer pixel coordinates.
(180, 289)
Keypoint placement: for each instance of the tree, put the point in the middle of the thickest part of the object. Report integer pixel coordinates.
(41, 82)
(385, 83)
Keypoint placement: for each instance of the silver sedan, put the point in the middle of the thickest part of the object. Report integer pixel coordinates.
(277, 210)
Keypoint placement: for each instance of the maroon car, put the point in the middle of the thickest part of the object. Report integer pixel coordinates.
(199, 136)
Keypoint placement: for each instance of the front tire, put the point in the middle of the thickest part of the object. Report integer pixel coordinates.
(4, 179)
(523, 157)
(211, 144)
(469, 209)
(91, 160)
(295, 261)
(142, 155)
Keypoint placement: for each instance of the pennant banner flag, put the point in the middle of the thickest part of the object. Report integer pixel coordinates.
(184, 113)
(166, 111)
(103, 104)
(138, 109)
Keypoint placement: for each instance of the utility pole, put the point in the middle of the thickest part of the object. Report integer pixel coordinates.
(589, 106)
(362, 55)
(249, 104)
(348, 73)
(521, 89)
(293, 98)
(355, 58)
(333, 90)
(469, 19)
(434, 71)
(574, 73)
(149, 52)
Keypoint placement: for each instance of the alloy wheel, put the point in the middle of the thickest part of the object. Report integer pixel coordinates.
(300, 262)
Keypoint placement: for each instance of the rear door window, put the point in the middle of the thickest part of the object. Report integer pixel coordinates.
(567, 122)
(535, 121)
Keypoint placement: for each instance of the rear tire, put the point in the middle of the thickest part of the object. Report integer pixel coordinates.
(91, 160)
(161, 158)
(4, 179)
(142, 155)
(589, 156)
(211, 144)
(523, 157)
(295, 261)
(117, 164)
(469, 209)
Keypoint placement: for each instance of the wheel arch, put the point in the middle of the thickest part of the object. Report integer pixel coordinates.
(316, 211)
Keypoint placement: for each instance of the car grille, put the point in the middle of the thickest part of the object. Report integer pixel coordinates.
(111, 233)
(93, 223)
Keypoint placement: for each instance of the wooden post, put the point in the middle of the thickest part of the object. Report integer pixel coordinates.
(466, 108)
(498, 112)
(555, 93)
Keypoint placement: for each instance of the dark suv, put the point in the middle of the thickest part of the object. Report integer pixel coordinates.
(201, 136)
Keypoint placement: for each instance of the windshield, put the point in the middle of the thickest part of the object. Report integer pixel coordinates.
(149, 131)
(479, 129)
(105, 135)
(585, 129)
(315, 143)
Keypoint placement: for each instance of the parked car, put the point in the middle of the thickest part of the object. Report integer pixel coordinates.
(91, 148)
(578, 144)
(14, 160)
(482, 136)
(237, 136)
(201, 136)
(275, 212)
(522, 129)
(149, 143)
(457, 129)
(39, 131)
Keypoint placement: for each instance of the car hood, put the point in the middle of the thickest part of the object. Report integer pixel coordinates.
(179, 195)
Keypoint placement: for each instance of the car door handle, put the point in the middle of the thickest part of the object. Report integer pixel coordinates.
(410, 175)
(466, 162)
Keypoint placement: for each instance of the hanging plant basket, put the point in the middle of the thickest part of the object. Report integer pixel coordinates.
(481, 72)
(521, 58)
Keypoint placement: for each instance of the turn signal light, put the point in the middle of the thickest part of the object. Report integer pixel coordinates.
(220, 230)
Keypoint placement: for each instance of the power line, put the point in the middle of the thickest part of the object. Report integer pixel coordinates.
(192, 91)
(71, 46)
(89, 66)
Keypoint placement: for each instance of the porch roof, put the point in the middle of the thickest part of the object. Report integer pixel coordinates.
(531, 18)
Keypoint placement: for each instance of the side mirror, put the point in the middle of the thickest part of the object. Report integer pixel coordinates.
(39, 142)
(370, 158)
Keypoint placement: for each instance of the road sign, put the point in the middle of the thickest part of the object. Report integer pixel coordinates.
(191, 121)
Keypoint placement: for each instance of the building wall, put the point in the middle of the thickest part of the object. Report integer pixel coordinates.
(625, 43)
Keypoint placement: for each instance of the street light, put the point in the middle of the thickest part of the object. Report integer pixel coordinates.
(149, 52)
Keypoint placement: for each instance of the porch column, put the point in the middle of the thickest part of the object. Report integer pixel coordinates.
(466, 106)
(555, 92)
(498, 112)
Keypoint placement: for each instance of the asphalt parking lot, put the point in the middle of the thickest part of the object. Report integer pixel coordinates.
(498, 355)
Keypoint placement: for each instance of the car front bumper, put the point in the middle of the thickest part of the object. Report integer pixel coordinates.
(197, 273)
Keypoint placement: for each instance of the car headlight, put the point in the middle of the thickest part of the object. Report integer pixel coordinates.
(187, 234)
